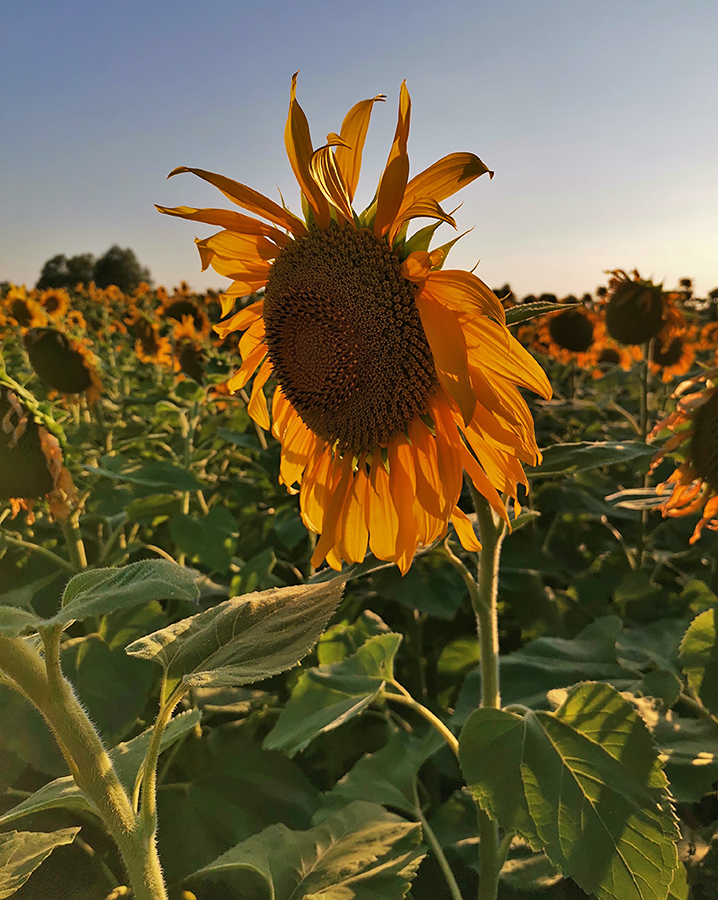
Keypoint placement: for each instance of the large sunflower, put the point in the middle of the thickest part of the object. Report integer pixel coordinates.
(392, 374)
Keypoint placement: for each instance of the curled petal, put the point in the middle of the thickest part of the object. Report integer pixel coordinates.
(353, 133)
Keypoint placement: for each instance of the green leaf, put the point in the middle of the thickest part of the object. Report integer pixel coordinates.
(662, 685)
(14, 621)
(699, 657)
(244, 639)
(567, 459)
(342, 640)
(210, 539)
(583, 784)
(160, 474)
(526, 311)
(127, 758)
(361, 852)
(650, 646)
(327, 696)
(548, 663)
(21, 852)
(387, 777)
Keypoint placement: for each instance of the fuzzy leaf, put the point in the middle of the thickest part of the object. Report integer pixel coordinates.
(244, 639)
(699, 657)
(567, 459)
(361, 852)
(583, 784)
(327, 696)
(21, 852)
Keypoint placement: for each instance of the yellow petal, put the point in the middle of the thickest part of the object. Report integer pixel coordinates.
(396, 173)
(253, 336)
(353, 133)
(383, 518)
(465, 530)
(448, 347)
(402, 485)
(481, 482)
(241, 320)
(331, 526)
(257, 406)
(429, 488)
(444, 178)
(354, 533)
(425, 207)
(227, 218)
(462, 291)
(247, 369)
(328, 177)
(298, 142)
(251, 248)
(448, 446)
(250, 199)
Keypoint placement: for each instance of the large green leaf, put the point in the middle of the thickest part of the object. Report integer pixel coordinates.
(689, 748)
(244, 639)
(21, 852)
(100, 591)
(699, 657)
(327, 696)
(583, 784)
(362, 852)
(567, 459)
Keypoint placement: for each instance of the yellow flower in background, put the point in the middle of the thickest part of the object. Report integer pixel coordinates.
(693, 485)
(393, 375)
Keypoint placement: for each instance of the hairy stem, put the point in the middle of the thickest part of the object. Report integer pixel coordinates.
(440, 858)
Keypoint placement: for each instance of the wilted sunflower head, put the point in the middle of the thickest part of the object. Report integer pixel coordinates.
(62, 364)
(693, 429)
(392, 373)
(635, 309)
(31, 464)
(572, 330)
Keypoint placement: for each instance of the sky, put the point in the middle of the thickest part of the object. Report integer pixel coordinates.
(600, 120)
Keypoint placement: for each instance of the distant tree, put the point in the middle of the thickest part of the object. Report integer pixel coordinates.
(120, 267)
(61, 272)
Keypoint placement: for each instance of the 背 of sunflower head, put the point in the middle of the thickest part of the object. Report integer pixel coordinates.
(392, 373)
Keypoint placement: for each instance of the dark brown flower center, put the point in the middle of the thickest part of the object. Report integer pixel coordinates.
(667, 356)
(704, 444)
(345, 338)
(571, 330)
(634, 313)
(58, 364)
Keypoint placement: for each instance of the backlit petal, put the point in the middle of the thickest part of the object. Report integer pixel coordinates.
(298, 142)
(396, 173)
(353, 132)
(444, 178)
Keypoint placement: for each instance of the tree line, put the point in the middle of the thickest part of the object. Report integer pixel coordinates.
(117, 266)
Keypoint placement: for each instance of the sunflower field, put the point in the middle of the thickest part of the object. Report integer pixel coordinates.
(426, 609)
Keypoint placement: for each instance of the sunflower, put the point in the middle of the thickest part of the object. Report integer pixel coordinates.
(31, 463)
(189, 357)
(23, 310)
(693, 485)
(150, 346)
(392, 374)
(63, 364)
(569, 335)
(637, 310)
(55, 302)
(673, 358)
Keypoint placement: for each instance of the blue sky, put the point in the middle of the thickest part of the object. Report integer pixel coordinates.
(599, 119)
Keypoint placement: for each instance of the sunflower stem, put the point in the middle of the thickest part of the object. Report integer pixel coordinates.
(73, 539)
(492, 531)
(438, 851)
(644, 424)
(405, 698)
(44, 684)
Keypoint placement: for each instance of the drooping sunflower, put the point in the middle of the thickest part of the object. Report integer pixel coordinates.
(693, 485)
(569, 336)
(65, 365)
(31, 464)
(637, 310)
(392, 374)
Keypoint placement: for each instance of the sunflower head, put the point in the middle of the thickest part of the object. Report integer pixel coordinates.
(31, 463)
(635, 309)
(189, 353)
(62, 364)
(693, 438)
(55, 302)
(392, 374)
(572, 330)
